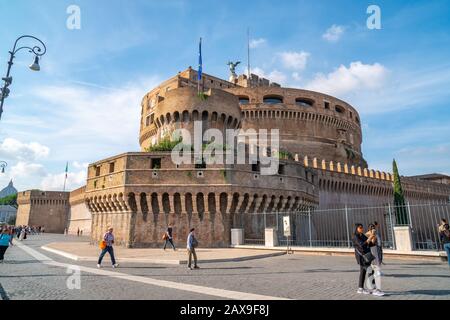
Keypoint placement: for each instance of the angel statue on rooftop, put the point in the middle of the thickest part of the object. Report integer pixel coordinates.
(233, 66)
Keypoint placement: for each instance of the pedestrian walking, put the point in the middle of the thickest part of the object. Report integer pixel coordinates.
(374, 277)
(107, 246)
(363, 255)
(78, 232)
(445, 240)
(168, 238)
(192, 243)
(23, 234)
(5, 242)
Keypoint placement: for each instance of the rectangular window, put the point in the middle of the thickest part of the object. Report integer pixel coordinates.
(147, 121)
(281, 169)
(201, 165)
(152, 118)
(156, 163)
(111, 167)
(97, 171)
(256, 167)
(95, 184)
(326, 104)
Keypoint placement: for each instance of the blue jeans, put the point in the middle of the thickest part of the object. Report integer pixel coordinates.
(169, 241)
(110, 250)
(447, 249)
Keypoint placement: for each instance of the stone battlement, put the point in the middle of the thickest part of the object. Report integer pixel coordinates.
(344, 168)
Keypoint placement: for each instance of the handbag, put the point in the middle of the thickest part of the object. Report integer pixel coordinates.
(102, 244)
(165, 236)
(367, 257)
(194, 243)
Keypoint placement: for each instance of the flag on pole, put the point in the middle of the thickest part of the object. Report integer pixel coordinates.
(199, 64)
(65, 179)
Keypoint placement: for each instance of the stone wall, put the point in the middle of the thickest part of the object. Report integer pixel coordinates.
(79, 216)
(140, 202)
(48, 209)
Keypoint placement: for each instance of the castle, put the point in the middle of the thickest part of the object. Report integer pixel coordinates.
(139, 193)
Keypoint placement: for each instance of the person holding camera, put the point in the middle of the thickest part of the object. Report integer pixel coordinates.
(362, 254)
(374, 278)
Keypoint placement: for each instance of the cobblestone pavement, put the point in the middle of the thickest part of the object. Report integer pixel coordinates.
(290, 276)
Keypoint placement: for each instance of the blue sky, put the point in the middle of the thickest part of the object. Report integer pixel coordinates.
(84, 104)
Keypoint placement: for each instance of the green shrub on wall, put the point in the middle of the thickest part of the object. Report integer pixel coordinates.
(165, 144)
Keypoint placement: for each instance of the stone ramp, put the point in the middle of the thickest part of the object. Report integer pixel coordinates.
(84, 251)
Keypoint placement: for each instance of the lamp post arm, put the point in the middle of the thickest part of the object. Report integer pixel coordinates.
(37, 50)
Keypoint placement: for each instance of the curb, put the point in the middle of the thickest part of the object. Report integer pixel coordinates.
(414, 255)
(160, 261)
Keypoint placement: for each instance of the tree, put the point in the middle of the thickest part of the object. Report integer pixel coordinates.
(399, 198)
(10, 200)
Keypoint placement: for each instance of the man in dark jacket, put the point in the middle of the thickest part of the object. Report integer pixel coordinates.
(361, 244)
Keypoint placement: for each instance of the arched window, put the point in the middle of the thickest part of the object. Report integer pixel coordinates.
(244, 100)
(304, 102)
(339, 109)
(273, 99)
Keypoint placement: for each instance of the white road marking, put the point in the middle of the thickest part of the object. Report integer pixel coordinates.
(228, 294)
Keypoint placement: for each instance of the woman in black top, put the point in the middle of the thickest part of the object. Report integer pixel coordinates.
(169, 238)
(361, 244)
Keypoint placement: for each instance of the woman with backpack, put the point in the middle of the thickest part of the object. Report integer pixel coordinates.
(363, 255)
(168, 238)
(445, 240)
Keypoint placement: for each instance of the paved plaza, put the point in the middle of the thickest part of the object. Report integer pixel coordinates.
(29, 272)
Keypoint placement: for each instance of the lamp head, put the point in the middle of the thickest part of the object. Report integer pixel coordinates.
(35, 66)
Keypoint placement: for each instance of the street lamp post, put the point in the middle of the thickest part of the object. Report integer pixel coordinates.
(38, 51)
(3, 164)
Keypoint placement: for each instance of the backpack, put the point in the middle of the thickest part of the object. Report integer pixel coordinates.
(194, 243)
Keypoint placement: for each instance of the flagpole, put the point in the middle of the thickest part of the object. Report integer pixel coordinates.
(248, 53)
(199, 71)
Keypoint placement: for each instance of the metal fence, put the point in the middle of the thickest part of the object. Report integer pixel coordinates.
(334, 227)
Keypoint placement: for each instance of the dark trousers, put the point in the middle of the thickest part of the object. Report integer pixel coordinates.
(362, 275)
(2, 251)
(169, 241)
(110, 250)
(191, 252)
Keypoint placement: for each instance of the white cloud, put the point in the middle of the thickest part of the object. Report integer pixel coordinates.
(296, 76)
(55, 182)
(334, 33)
(27, 170)
(255, 43)
(93, 122)
(14, 149)
(274, 76)
(294, 60)
(78, 165)
(344, 79)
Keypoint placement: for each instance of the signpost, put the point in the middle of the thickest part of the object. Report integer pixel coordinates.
(287, 232)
